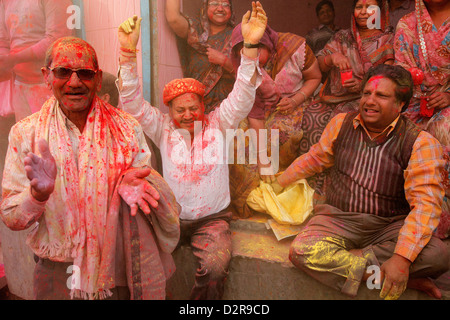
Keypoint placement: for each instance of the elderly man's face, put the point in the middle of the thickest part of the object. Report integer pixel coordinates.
(76, 91)
(185, 110)
(379, 105)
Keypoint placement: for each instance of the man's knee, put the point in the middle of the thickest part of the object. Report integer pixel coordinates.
(213, 270)
(300, 248)
(440, 257)
(215, 263)
(435, 256)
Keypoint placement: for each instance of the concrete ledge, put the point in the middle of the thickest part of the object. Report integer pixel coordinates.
(260, 270)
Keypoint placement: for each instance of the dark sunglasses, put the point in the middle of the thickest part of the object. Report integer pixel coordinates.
(66, 73)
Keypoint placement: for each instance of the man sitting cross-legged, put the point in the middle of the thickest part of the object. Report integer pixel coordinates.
(384, 195)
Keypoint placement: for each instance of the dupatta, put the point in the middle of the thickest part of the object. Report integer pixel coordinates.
(199, 39)
(362, 54)
(421, 44)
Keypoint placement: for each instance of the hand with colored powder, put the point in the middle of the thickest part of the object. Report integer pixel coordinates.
(41, 171)
(129, 32)
(136, 191)
(396, 275)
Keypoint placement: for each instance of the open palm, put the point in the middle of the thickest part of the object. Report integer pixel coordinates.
(41, 171)
(254, 24)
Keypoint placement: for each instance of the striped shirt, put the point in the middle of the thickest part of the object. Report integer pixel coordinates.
(372, 182)
(423, 188)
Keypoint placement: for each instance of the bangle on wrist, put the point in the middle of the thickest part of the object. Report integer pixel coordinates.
(325, 61)
(295, 101)
(127, 50)
(304, 95)
(224, 61)
(127, 55)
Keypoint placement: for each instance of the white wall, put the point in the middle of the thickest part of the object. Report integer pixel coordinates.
(102, 19)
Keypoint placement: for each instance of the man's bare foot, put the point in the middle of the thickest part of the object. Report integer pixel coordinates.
(426, 285)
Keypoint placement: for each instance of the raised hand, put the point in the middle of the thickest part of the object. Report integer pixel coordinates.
(254, 24)
(129, 32)
(41, 171)
(137, 192)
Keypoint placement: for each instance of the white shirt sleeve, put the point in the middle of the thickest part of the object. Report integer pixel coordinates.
(241, 99)
(132, 101)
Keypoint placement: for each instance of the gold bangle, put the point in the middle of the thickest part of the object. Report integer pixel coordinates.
(304, 95)
(295, 101)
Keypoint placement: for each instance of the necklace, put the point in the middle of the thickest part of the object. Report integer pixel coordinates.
(422, 43)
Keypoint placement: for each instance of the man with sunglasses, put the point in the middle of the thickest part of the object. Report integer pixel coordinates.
(79, 172)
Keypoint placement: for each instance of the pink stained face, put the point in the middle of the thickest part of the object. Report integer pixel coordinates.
(264, 55)
(185, 110)
(361, 12)
(379, 106)
(218, 15)
(73, 94)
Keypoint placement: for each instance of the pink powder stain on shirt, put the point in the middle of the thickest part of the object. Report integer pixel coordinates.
(193, 173)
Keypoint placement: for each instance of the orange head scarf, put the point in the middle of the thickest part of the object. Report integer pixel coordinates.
(178, 87)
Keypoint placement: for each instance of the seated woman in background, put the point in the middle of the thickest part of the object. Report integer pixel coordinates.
(422, 41)
(205, 46)
(352, 51)
(356, 49)
(291, 74)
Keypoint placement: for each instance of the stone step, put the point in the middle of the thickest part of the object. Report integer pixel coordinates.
(260, 270)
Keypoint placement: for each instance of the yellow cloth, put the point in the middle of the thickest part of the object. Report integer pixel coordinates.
(291, 205)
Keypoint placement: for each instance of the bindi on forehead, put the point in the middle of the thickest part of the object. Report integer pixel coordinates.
(375, 81)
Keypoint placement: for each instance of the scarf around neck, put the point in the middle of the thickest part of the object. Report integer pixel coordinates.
(81, 218)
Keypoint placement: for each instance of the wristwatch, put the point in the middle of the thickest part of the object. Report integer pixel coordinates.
(251, 46)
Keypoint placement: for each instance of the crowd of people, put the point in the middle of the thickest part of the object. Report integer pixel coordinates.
(362, 113)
